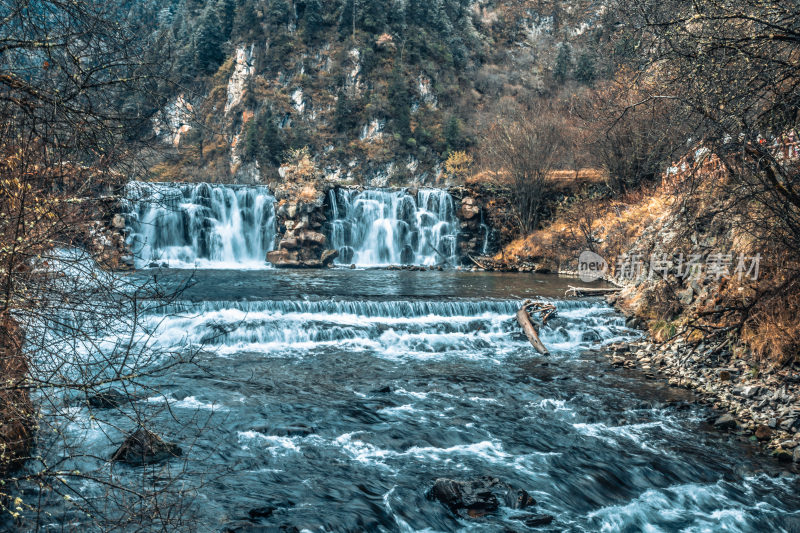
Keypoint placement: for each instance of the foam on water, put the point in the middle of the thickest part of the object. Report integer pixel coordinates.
(391, 329)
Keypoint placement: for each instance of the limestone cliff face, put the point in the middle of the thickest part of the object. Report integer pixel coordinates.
(380, 97)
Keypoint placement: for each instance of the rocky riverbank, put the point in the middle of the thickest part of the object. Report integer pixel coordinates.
(757, 404)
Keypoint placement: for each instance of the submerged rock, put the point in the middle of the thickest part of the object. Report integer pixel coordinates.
(535, 520)
(145, 447)
(262, 512)
(763, 432)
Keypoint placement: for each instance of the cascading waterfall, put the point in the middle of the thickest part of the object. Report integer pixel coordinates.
(389, 227)
(187, 225)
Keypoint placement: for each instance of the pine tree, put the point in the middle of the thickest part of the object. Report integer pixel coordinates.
(400, 102)
(452, 134)
(563, 63)
(208, 54)
(225, 12)
(585, 69)
(313, 19)
(279, 12)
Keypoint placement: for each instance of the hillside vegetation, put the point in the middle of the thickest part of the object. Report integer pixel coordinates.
(381, 91)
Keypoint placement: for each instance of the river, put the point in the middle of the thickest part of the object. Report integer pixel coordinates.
(335, 399)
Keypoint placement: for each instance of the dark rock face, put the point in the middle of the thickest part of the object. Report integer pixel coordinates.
(301, 243)
(145, 447)
(479, 497)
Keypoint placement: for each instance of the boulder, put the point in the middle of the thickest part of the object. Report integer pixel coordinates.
(287, 244)
(118, 222)
(469, 210)
(312, 237)
(328, 256)
(107, 399)
(283, 259)
(518, 498)
(783, 456)
(726, 421)
(479, 497)
(472, 497)
(145, 447)
(763, 432)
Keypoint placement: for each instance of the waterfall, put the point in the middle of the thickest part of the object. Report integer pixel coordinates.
(200, 225)
(391, 227)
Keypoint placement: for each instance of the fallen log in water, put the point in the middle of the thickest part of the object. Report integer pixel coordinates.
(591, 291)
(484, 267)
(528, 327)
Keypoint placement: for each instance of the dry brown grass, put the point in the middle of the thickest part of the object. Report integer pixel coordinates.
(606, 226)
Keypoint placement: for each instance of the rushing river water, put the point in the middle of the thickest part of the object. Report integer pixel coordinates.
(336, 398)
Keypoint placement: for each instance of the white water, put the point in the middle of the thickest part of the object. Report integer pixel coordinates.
(200, 225)
(396, 329)
(385, 227)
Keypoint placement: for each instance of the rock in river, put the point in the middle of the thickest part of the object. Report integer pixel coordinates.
(107, 399)
(479, 497)
(145, 447)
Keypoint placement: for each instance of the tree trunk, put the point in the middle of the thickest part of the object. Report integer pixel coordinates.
(530, 331)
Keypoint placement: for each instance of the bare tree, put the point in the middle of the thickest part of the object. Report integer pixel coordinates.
(526, 146)
(77, 350)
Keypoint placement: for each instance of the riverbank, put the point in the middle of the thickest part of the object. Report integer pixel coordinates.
(719, 306)
(759, 404)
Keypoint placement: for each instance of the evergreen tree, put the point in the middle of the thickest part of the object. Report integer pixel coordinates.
(453, 135)
(563, 63)
(280, 12)
(585, 69)
(226, 10)
(208, 54)
(345, 116)
(313, 19)
(400, 102)
(264, 140)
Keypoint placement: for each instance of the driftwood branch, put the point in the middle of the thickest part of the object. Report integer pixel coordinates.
(478, 263)
(591, 291)
(546, 311)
